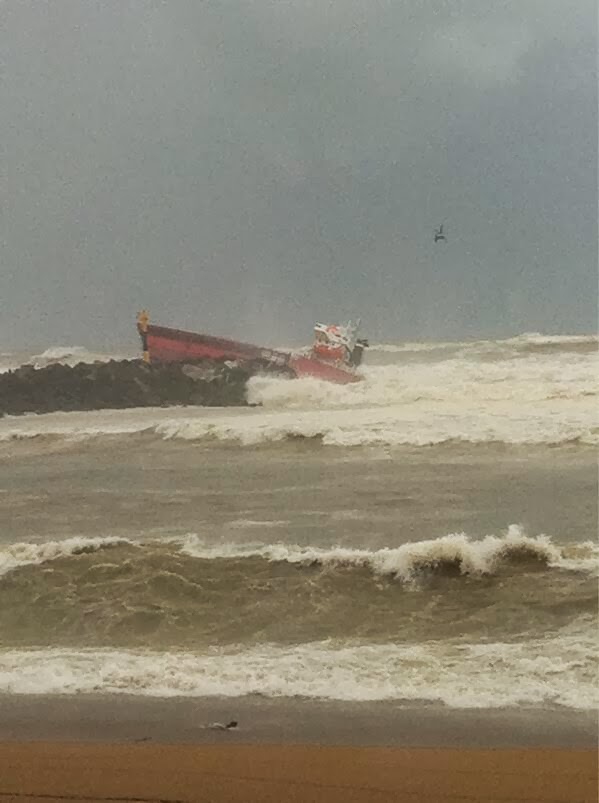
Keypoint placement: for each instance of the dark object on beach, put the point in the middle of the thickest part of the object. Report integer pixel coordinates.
(219, 726)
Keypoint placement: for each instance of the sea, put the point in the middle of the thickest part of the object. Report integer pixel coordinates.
(428, 534)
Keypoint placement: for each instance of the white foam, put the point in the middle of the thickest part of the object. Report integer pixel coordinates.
(411, 424)
(23, 554)
(253, 524)
(83, 425)
(461, 379)
(70, 355)
(9, 361)
(398, 348)
(524, 339)
(472, 556)
(408, 424)
(558, 669)
(64, 355)
(526, 399)
(538, 339)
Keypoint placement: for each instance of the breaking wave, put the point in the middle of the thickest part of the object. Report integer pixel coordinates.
(526, 339)
(555, 670)
(414, 346)
(57, 355)
(452, 380)
(69, 355)
(62, 355)
(406, 562)
(455, 551)
(393, 426)
(539, 339)
(500, 621)
(12, 556)
(8, 362)
(459, 394)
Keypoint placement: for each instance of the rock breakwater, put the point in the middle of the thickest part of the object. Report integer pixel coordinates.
(121, 384)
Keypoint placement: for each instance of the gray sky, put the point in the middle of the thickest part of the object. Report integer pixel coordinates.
(247, 167)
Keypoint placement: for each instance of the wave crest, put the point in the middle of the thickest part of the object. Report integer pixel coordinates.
(69, 355)
(455, 551)
(26, 554)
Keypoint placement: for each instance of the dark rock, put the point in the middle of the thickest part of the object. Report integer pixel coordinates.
(121, 384)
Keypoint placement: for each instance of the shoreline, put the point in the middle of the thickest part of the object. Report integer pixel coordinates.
(157, 750)
(185, 720)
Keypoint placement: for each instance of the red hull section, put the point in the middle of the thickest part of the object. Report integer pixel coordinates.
(175, 345)
(305, 366)
(163, 344)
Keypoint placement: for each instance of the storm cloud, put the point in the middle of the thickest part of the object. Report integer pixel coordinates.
(247, 168)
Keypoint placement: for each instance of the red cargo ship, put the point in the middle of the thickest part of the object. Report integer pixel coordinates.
(334, 357)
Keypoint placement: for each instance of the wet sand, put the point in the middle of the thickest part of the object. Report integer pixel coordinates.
(127, 748)
(123, 718)
(245, 773)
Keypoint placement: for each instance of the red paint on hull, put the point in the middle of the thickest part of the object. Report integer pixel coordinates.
(164, 344)
(175, 345)
(305, 366)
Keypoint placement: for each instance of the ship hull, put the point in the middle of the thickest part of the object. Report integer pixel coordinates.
(318, 369)
(175, 345)
(163, 344)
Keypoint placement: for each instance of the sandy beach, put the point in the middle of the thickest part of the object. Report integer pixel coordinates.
(136, 749)
(66, 771)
